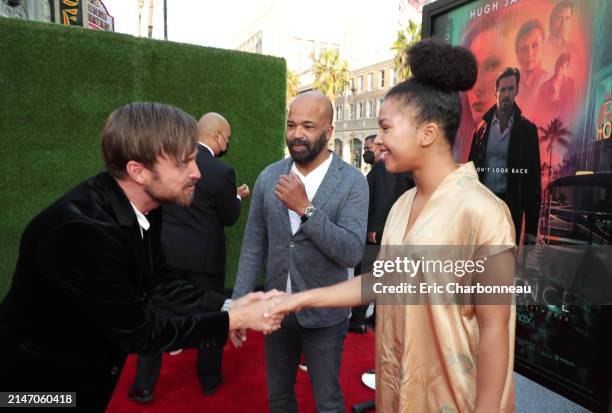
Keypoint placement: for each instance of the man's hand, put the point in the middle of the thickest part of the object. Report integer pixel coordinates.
(248, 312)
(243, 191)
(372, 237)
(238, 337)
(291, 192)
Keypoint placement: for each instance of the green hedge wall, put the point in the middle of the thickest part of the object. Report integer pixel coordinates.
(58, 85)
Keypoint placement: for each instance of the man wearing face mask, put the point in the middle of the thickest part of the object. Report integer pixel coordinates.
(307, 223)
(194, 243)
(385, 188)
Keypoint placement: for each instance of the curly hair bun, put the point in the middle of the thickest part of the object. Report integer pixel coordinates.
(442, 66)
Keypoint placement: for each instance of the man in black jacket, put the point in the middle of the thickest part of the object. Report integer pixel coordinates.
(91, 283)
(506, 153)
(385, 188)
(194, 243)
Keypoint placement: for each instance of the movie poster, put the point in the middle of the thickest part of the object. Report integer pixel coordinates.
(558, 176)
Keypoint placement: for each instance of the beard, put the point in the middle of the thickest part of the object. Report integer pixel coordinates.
(310, 151)
(163, 195)
(506, 104)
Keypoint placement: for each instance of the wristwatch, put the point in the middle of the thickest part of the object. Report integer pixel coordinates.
(307, 213)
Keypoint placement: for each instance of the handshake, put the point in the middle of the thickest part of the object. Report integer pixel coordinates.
(260, 311)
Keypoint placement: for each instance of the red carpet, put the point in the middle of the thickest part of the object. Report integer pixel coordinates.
(244, 386)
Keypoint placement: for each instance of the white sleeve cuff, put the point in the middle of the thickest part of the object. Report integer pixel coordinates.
(226, 304)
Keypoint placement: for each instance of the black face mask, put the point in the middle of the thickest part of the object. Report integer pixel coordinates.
(368, 157)
(221, 153)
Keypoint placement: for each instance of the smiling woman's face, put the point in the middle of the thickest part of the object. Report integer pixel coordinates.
(491, 59)
(398, 135)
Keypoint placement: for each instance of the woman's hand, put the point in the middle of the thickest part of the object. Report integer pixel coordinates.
(288, 303)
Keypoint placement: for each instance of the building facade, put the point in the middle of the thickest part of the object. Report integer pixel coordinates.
(300, 32)
(85, 13)
(356, 111)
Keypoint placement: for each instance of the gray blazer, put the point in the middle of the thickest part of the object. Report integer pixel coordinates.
(322, 249)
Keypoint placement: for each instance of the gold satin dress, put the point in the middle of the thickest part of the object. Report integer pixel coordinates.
(426, 355)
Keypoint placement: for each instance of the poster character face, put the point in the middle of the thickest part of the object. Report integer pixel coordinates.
(559, 23)
(529, 50)
(491, 60)
(506, 93)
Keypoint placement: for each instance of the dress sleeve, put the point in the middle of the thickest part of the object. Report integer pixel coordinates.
(495, 230)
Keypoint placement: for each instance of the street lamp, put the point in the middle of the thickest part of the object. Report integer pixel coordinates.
(140, 7)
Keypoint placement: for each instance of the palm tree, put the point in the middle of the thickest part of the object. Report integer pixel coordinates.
(405, 38)
(293, 84)
(556, 135)
(331, 74)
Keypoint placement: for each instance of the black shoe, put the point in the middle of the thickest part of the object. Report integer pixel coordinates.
(140, 395)
(357, 328)
(211, 387)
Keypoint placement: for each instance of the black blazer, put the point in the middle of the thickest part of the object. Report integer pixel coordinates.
(524, 186)
(193, 237)
(385, 188)
(88, 290)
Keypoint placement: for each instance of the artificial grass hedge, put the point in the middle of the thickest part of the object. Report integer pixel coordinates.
(59, 84)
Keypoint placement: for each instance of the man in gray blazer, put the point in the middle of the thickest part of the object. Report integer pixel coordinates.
(307, 223)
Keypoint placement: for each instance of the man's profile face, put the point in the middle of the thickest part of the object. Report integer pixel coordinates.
(371, 146)
(529, 50)
(307, 129)
(559, 23)
(506, 93)
(173, 182)
(223, 137)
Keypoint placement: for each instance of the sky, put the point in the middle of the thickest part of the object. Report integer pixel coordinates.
(204, 22)
(216, 23)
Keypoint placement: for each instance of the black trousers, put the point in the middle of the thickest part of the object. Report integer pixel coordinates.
(322, 348)
(358, 314)
(208, 362)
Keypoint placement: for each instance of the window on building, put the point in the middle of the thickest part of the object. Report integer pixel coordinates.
(359, 114)
(393, 77)
(381, 79)
(338, 147)
(380, 102)
(322, 48)
(253, 44)
(370, 81)
(360, 84)
(356, 152)
(370, 109)
(338, 113)
(351, 86)
(310, 47)
(349, 114)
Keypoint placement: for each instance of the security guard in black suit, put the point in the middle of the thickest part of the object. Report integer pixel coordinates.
(194, 243)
